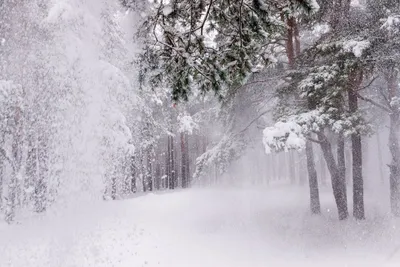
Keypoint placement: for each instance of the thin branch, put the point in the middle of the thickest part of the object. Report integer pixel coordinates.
(368, 85)
(314, 140)
(374, 103)
(240, 23)
(253, 121)
(384, 97)
(265, 80)
(251, 8)
(205, 18)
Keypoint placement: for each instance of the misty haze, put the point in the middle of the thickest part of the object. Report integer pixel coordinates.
(199, 133)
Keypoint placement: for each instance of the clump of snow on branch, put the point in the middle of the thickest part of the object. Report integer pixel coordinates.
(314, 5)
(356, 47)
(283, 136)
(187, 124)
(391, 23)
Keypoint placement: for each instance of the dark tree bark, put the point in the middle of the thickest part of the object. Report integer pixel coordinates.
(296, 34)
(356, 146)
(341, 156)
(338, 185)
(290, 52)
(312, 180)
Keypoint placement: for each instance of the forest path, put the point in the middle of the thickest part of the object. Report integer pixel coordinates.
(244, 227)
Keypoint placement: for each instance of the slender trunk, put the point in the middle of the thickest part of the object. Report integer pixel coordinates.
(296, 34)
(356, 146)
(2, 160)
(157, 183)
(149, 169)
(322, 167)
(12, 192)
(187, 161)
(380, 160)
(289, 41)
(133, 174)
(172, 178)
(312, 180)
(16, 162)
(341, 157)
(349, 162)
(394, 147)
(183, 161)
(338, 185)
(358, 182)
(292, 171)
(40, 185)
(273, 167)
(1, 181)
(303, 162)
(395, 163)
(168, 164)
(113, 187)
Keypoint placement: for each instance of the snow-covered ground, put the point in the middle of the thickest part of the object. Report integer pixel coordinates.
(219, 227)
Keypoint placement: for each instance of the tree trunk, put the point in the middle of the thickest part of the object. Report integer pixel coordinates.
(290, 52)
(185, 160)
(341, 157)
(16, 162)
(380, 160)
(338, 185)
(395, 164)
(149, 169)
(1, 182)
(302, 171)
(113, 187)
(322, 167)
(2, 160)
(273, 166)
(12, 193)
(133, 175)
(157, 177)
(356, 146)
(42, 171)
(171, 152)
(312, 180)
(296, 34)
(394, 147)
(292, 170)
(168, 164)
